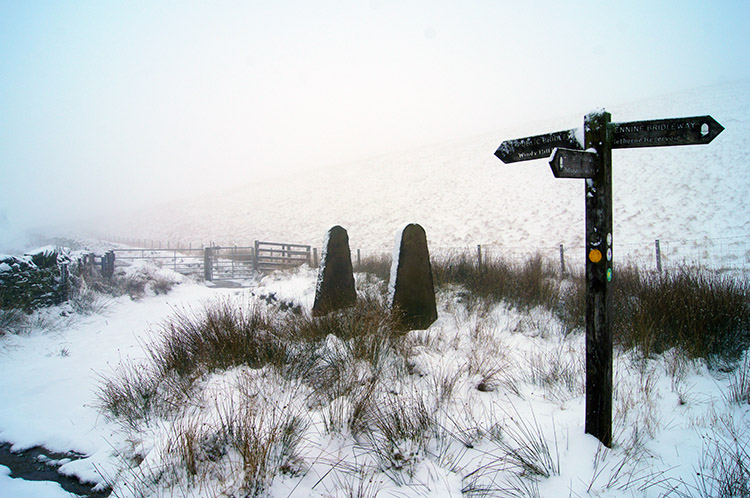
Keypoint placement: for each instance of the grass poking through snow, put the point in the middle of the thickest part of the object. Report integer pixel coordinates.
(255, 397)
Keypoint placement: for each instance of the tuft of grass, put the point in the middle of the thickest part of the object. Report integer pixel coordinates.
(360, 483)
(87, 301)
(524, 457)
(398, 433)
(219, 337)
(739, 384)
(129, 394)
(10, 320)
(571, 307)
(526, 285)
(527, 448)
(558, 370)
(706, 314)
(249, 441)
(368, 317)
(379, 266)
(724, 468)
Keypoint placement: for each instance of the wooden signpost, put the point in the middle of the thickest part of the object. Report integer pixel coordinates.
(587, 154)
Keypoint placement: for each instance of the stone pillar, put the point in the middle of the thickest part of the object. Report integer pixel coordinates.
(335, 289)
(411, 292)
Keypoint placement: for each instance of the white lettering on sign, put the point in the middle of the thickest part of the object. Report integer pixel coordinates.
(648, 140)
(544, 151)
(665, 132)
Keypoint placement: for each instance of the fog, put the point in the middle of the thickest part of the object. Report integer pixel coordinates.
(107, 107)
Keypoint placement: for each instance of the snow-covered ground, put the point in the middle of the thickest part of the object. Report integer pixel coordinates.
(671, 414)
(694, 199)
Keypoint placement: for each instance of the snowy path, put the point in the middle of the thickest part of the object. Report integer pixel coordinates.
(48, 381)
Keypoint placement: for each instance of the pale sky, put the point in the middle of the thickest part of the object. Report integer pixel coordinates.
(105, 105)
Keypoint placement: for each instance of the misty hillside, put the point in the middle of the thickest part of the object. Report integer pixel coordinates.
(693, 198)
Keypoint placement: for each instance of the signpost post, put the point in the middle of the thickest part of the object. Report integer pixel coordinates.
(588, 155)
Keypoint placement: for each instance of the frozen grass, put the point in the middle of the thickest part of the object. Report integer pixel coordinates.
(724, 470)
(10, 320)
(523, 285)
(351, 375)
(254, 397)
(379, 266)
(705, 314)
(739, 384)
(216, 338)
(341, 363)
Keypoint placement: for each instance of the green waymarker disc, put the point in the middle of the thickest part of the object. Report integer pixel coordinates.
(609, 274)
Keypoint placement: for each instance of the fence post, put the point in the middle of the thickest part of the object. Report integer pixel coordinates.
(207, 268)
(255, 256)
(359, 259)
(479, 256)
(315, 257)
(658, 255)
(562, 260)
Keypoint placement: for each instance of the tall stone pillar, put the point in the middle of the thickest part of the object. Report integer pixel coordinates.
(335, 289)
(411, 293)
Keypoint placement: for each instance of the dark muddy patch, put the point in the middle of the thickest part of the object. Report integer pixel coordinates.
(41, 464)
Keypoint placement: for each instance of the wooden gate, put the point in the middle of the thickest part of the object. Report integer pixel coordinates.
(224, 263)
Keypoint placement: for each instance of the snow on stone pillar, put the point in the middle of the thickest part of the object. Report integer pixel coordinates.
(411, 293)
(335, 289)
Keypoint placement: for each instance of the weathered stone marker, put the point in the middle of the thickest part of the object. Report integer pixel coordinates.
(588, 155)
(335, 289)
(411, 291)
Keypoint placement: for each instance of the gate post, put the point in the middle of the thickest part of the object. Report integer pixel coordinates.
(208, 273)
(108, 264)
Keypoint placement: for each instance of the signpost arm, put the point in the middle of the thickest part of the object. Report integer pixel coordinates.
(598, 135)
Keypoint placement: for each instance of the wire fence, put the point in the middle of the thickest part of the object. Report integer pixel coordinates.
(727, 254)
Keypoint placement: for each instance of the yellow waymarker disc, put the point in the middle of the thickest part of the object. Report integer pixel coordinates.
(595, 255)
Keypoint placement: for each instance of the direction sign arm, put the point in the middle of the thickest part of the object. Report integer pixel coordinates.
(568, 163)
(538, 146)
(665, 132)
